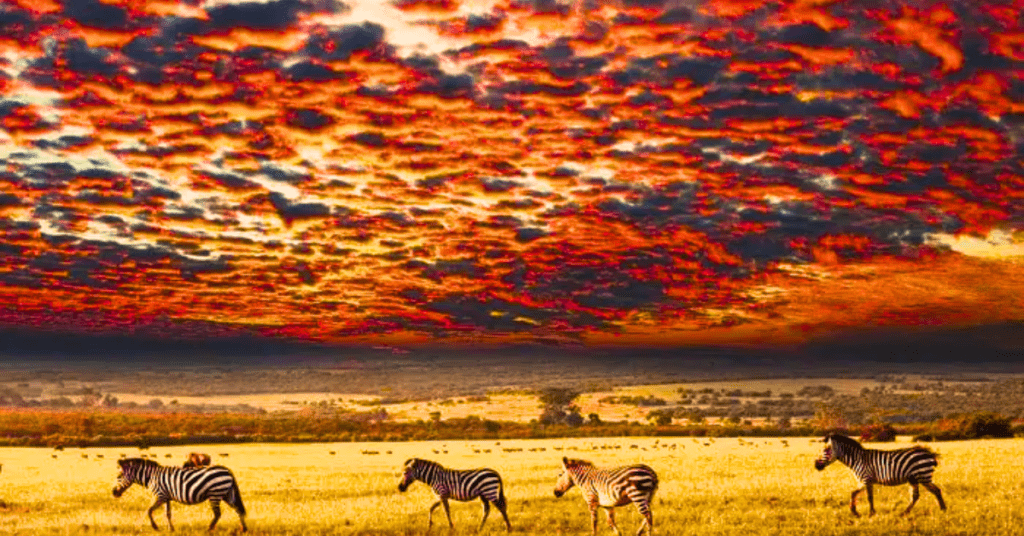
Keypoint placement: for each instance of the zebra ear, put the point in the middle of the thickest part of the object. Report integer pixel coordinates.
(565, 461)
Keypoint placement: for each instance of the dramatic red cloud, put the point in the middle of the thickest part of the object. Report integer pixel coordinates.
(505, 171)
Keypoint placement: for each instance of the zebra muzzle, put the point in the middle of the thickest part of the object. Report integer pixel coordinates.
(118, 492)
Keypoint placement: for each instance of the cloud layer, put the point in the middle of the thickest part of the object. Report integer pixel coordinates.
(490, 172)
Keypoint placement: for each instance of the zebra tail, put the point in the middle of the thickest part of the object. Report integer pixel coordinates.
(237, 496)
(501, 494)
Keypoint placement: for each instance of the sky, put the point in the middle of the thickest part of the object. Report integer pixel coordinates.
(499, 172)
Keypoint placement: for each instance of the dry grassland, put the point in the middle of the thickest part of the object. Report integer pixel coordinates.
(708, 487)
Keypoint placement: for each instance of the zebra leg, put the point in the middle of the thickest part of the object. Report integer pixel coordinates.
(215, 505)
(611, 519)
(914, 495)
(648, 521)
(430, 515)
(645, 510)
(500, 503)
(447, 513)
(593, 519)
(487, 510)
(167, 506)
(853, 500)
(156, 504)
(871, 499)
(937, 493)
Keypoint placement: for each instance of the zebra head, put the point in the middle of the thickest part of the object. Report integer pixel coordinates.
(410, 473)
(566, 480)
(828, 454)
(132, 471)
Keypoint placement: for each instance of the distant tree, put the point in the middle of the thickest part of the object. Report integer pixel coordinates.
(594, 418)
(558, 405)
(574, 419)
(660, 418)
(830, 417)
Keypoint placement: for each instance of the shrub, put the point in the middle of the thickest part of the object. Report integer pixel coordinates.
(878, 433)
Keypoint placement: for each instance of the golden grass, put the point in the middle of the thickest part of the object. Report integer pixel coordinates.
(708, 487)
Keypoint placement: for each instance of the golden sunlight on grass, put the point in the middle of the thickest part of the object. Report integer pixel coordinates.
(708, 486)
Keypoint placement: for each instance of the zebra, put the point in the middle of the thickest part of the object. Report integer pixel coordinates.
(461, 485)
(610, 488)
(185, 485)
(913, 466)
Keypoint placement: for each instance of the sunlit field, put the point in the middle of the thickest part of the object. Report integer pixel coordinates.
(708, 487)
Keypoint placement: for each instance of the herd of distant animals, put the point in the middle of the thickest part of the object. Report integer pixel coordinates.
(197, 481)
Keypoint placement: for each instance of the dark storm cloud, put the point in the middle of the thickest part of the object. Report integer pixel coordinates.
(293, 210)
(664, 69)
(308, 118)
(564, 63)
(274, 15)
(339, 44)
(230, 179)
(485, 22)
(15, 22)
(806, 34)
(9, 200)
(440, 269)
(96, 14)
(529, 234)
(73, 55)
(158, 50)
(280, 173)
(66, 141)
(312, 71)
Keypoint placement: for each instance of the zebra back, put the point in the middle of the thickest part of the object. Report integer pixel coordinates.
(458, 484)
(188, 485)
(614, 482)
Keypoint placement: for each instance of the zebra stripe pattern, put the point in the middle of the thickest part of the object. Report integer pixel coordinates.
(184, 485)
(611, 488)
(913, 466)
(460, 485)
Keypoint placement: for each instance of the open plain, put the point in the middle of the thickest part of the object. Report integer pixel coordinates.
(709, 486)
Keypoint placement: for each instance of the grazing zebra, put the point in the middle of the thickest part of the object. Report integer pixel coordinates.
(187, 486)
(913, 466)
(197, 459)
(610, 488)
(461, 485)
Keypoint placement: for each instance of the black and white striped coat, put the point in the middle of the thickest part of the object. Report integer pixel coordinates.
(914, 466)
(185, 485)
(611, 488)
(460, 485)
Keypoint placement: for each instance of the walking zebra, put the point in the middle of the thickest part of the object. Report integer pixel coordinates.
(461, 485)
(913, 466)
(610, 488)
(185, 485)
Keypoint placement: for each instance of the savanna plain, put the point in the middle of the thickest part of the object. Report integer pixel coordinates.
(708, 486)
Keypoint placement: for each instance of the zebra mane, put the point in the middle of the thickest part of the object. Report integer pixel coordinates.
(573, 462)
(848, 442)
(138, 462)
(422, 462)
